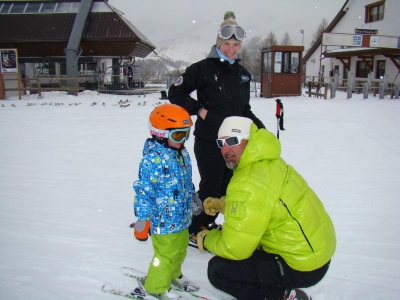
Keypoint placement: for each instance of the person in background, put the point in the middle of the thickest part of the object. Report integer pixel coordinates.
(277, 236)
(223, 90)
(163, 201)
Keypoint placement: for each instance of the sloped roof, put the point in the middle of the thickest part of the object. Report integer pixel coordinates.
(107, 34)
(330, 27)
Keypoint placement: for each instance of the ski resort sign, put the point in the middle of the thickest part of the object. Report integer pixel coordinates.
(360, 40)
(9, 61)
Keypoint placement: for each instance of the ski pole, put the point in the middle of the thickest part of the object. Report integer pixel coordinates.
(277, 128)
(278, 116)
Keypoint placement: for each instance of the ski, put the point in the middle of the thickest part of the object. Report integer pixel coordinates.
(193, 246)
(124, 292)
(200, 294)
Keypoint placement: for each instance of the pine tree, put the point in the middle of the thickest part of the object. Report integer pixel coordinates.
(320, 30)
(270, 40)
(286, 40)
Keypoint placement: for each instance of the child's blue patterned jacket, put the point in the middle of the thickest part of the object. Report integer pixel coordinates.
(164, 189)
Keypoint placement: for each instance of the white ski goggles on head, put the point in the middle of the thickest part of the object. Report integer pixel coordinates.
(232, 140)
(228, 31)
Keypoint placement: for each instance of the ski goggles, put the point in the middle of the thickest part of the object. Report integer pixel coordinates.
(232, 141)
(228, 31)
(176, 135)
(179, 134)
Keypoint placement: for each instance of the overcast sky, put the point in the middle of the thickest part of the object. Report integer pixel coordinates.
(159, 20)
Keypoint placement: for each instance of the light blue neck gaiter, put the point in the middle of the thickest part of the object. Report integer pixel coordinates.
(224, 57)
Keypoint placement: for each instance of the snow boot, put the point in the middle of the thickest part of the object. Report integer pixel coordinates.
(193, 240)
(184, 284)
(295, 294)
(167, 295)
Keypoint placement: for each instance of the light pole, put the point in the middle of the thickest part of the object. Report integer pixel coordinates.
(302, 32)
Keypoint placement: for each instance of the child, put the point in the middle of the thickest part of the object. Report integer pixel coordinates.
(163, 200)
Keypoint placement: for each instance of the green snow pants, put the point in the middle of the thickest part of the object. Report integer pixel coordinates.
(169, 254)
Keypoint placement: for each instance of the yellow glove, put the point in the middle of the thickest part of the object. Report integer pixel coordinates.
(212, 206)
(200, 240)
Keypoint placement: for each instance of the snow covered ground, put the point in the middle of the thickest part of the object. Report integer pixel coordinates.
(66, 173)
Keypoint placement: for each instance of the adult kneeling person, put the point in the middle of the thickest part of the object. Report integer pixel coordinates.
(277, 236)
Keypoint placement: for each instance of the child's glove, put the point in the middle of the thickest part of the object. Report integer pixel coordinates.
(142, 230)
(197, 205)
(212, 206)
(200, 240)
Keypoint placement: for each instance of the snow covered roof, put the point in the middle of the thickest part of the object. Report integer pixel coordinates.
(357, 51)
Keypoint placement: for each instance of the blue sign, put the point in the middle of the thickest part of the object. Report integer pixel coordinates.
(357, 40)
(398, 42)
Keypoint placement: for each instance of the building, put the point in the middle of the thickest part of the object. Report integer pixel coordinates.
(280, 71)
(362, 42)
(69, 38)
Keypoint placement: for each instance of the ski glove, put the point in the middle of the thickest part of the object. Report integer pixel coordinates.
(197, 205)
(212, 206)
(200, 240)
(142, 230)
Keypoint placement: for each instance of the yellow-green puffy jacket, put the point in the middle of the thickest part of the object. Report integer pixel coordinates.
(269, 204)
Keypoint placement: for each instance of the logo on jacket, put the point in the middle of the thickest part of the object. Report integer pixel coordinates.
(179, 81)
(245, 78)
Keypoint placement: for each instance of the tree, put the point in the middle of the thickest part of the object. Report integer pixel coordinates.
(320, 30)
(245, 57)
(250, 55)
(270, 40)
(286, 40)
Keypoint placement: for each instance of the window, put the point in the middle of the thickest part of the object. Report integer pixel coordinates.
(362, 69)
(380, 69)
(63, 69)
(33, 8)
(287, 62)
(45, 69)
(75, 7)
(87, 68)
(336, 70)
(48, 7)
(266, 62)
(278, 62)
(18, 8)
(374, 12)
(294, 62)
(52, 68)
(63, 7)
(5, 8)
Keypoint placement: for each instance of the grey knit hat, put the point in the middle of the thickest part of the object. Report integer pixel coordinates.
(229, 19)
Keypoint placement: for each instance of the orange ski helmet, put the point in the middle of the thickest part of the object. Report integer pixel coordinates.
(169, 116)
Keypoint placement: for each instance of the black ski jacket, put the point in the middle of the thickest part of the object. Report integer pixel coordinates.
(223, 89)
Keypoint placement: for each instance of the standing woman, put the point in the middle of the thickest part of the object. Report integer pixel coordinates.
(223, 90)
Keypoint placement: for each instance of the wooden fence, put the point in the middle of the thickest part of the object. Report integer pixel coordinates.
(314, 89)
(39, 84)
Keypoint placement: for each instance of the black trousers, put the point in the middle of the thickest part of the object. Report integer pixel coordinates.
(262, 276)
(214, 178)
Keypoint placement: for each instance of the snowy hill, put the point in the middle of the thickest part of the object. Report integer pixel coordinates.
(187, 48)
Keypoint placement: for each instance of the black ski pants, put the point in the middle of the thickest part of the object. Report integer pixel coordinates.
(262, 276)
(214, 178)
